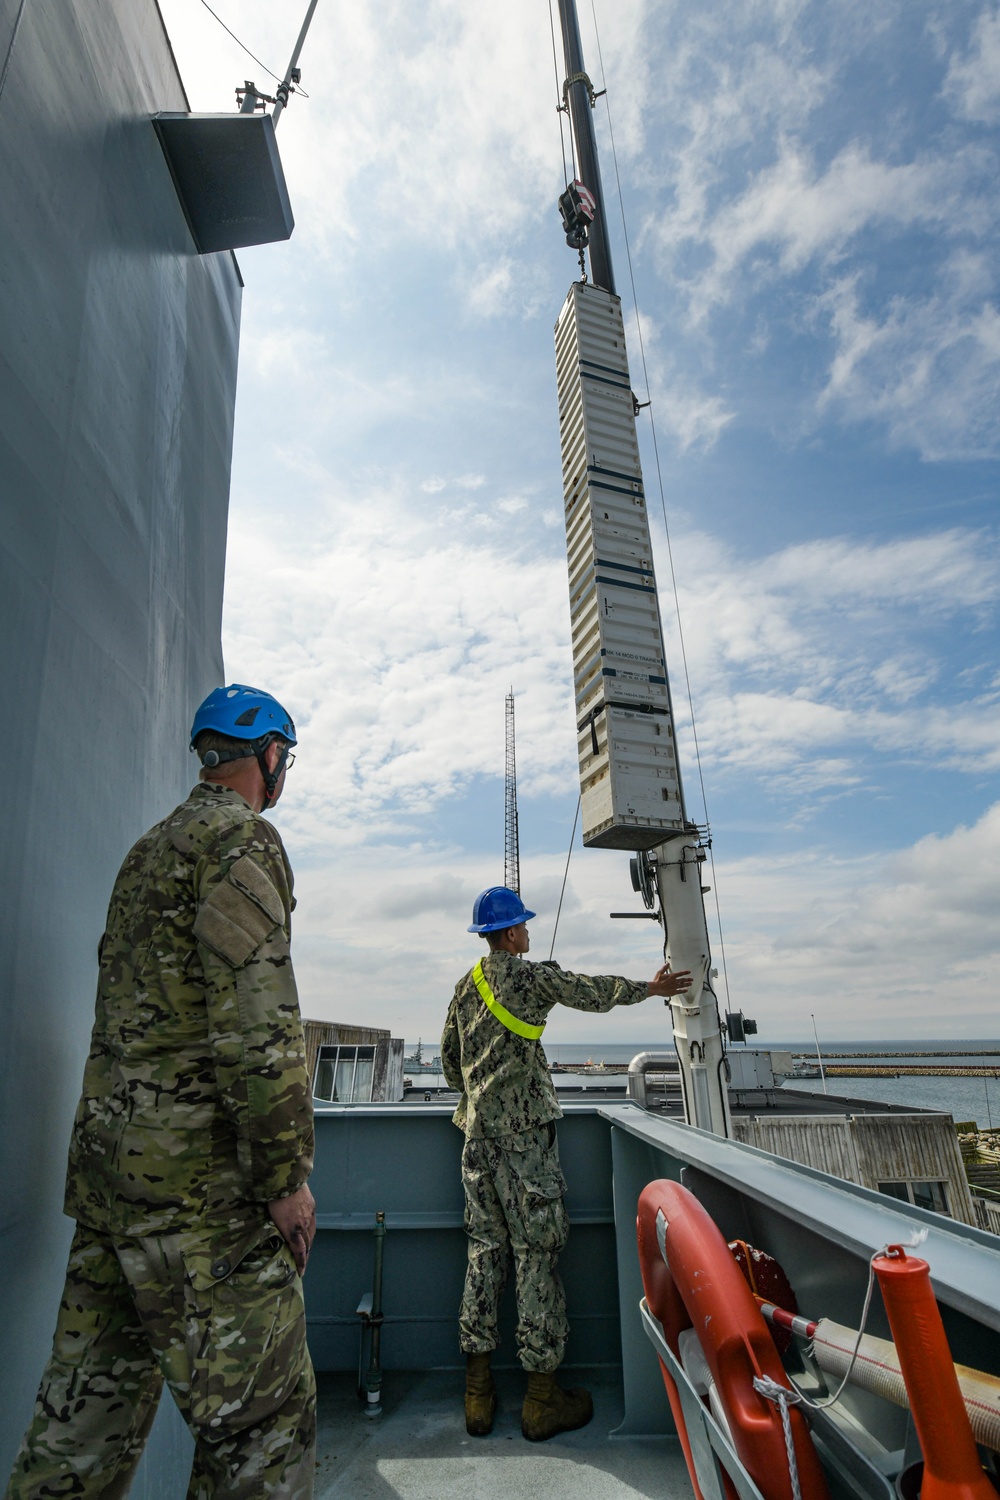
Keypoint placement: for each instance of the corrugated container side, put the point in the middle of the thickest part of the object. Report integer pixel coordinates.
(629, 778)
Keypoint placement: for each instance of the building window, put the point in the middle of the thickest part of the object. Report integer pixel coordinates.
(932, 1195)
(344, 1075)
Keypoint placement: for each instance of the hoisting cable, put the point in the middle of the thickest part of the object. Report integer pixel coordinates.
(560, 106)
(569, 856)
(663, 503)
(293, 88)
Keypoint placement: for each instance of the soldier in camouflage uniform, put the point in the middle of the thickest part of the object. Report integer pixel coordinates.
(190, 1155)
(492, 1054)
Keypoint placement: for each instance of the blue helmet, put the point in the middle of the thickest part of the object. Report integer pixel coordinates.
(243, 713)
(496, 908)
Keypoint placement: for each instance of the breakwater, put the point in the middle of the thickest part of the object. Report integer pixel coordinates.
(912, 1052)
(908, 1070)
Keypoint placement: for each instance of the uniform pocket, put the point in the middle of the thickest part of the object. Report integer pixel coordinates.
(541, 1186)
(250, 1327)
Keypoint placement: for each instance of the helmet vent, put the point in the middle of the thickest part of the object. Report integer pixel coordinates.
(246, 719)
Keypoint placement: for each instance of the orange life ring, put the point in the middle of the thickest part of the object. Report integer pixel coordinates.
(692, 1281)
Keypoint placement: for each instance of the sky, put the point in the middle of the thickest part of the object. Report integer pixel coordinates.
(809, 196)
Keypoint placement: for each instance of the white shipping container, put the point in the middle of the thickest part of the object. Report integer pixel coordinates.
(629, 778)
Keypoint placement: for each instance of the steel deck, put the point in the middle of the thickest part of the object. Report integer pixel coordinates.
(418, 1448)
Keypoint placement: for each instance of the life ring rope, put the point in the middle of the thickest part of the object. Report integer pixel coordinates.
(783, 1399)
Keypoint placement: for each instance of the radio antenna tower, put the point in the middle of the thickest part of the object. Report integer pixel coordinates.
(511, 852)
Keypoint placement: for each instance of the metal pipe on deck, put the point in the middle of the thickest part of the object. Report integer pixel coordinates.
(643, 1063)
(373, 1381)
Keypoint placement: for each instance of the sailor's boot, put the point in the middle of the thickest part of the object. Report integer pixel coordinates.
(480, 1395)
(549, 1409)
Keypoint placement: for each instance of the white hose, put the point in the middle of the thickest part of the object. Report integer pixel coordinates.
(876, 1368)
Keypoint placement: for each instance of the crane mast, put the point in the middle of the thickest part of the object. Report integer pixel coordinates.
(632, 795)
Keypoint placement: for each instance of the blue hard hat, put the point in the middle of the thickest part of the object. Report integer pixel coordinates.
(243, 713)
(496, 908)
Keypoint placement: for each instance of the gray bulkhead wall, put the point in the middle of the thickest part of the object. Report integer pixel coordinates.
(118, 355)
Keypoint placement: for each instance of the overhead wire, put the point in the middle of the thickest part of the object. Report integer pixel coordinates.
(560, 107)
(663, 503)
(293, 88)
(569, 855)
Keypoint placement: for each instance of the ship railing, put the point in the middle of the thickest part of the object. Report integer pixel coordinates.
(405, 1160)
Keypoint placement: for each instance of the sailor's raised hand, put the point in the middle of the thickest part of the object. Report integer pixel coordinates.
(667, 984)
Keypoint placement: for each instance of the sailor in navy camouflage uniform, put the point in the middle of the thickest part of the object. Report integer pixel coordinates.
(492, 1054)
(191, 1150)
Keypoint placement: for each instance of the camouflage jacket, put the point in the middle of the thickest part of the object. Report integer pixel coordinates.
(196, 1108)
(504, 1078)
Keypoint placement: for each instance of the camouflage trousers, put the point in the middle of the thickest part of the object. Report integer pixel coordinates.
(223, 1325)
(514, 1211)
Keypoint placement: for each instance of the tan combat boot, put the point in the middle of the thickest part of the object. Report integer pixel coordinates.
(548, 1409)
(480, 1395)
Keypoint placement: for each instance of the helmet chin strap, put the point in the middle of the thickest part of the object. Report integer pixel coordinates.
(271, 778)
(257, 749)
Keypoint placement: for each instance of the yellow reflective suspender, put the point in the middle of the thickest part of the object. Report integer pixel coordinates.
(503, 1015)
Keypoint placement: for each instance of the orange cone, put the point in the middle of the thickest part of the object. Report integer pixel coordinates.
(952, 1470)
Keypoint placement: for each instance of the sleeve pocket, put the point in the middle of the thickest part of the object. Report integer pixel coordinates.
(241, 912)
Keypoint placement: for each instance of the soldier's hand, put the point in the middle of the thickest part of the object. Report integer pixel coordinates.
(295, 1217)
(666, 984)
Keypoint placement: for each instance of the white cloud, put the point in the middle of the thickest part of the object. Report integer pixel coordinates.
(742, 192)
(489, 291)
(972, 84)
(396, 137)
(809, 662)
(928, 367)
(804, 212)
(436, 483)
(839, 249)
(765, 188)
(892, 944)
(395, 635)
(900, 943)
(944, 571)
(798, 213)
(784, 731)
(694, 417)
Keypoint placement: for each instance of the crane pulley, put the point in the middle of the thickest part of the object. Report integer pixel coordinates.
(577, 206)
